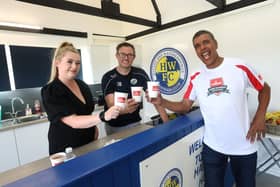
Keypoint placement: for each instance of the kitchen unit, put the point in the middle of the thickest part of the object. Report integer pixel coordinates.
(23, 142)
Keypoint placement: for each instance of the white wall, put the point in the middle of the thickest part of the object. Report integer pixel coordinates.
(251, 34)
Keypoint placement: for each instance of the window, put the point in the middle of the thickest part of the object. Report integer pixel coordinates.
(4, 75)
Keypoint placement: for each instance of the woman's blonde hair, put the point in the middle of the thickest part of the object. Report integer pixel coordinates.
(59, 53)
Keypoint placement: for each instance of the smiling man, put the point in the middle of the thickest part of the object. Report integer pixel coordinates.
(121, 79)
(220, 88)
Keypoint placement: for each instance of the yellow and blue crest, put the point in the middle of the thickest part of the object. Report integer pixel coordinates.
(169, 67)
(172, 179)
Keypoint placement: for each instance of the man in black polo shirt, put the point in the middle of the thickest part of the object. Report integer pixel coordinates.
(121, 79)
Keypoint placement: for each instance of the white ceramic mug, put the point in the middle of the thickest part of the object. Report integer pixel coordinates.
(120, 99)
(136, 92)
(57, 158)
(153, 89)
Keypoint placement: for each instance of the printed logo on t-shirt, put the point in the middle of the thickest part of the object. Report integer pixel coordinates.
(133, 81)
(119, 84)
(217, 87)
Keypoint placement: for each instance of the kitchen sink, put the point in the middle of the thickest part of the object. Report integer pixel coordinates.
(23, 119)
(6, 122)
(20, 119)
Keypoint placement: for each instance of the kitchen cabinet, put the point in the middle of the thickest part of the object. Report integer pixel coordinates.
(8, 156)
(32, 142)
(23, 143)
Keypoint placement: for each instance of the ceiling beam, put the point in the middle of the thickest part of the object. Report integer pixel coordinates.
(157, 12)
(84, 9)
(196, 17)
(218, 3)
(46, 30)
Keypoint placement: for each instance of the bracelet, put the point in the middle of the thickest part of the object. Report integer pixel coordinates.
(102, 116)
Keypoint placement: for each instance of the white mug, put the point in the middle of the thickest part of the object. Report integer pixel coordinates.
(57, 158)
(136, 92)
(120, 99)
(153, 89)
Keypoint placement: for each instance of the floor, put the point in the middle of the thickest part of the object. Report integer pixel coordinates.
(266, 180)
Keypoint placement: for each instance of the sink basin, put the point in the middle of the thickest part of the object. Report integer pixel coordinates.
(23, 119)
(6, 122)
(20, 119)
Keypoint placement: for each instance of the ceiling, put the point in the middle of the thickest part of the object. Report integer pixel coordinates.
(87, 16)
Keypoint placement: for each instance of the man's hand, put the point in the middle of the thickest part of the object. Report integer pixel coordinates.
(257, 129)
(155, 101)
(131, 106)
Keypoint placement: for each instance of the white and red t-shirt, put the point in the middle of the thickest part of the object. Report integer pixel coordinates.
(221, 93)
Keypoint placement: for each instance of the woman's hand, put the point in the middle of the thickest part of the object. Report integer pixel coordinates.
(112, 113)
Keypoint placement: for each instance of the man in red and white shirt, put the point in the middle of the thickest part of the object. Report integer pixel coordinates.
(220, 87)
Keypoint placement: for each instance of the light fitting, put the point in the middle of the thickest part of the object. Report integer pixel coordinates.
(18, 25)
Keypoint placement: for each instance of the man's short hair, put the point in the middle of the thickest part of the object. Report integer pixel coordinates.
(125, 44)
(198, 33)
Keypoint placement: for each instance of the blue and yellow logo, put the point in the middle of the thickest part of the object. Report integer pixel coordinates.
(172, 179)
(169, 67)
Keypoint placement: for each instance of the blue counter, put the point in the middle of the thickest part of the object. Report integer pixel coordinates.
(116, 165)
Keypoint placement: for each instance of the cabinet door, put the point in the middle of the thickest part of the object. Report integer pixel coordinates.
(32, 142)
(8, 155)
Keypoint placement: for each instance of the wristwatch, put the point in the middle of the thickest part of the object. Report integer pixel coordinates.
(102, 116)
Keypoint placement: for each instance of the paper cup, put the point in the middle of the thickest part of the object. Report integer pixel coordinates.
(153, 89)
(57, 158)
(120, 99)
(136, 92)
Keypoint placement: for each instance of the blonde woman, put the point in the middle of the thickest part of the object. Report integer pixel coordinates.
(69, 104)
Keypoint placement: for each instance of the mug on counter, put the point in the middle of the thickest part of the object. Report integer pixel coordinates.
(57, 158)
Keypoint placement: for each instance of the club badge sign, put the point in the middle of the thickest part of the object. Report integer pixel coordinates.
(169, 67)
(182, 164)
(173, 178)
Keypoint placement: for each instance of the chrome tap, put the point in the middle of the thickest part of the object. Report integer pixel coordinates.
(14, 113)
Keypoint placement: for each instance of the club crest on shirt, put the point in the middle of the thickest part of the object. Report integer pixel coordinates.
(133, 81)
(217, 87)
(119, 84)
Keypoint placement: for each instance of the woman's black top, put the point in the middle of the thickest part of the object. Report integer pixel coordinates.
(59, 102)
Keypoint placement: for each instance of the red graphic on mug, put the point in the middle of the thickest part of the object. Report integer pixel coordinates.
(121, 99)
(155, 88)
(137, 93)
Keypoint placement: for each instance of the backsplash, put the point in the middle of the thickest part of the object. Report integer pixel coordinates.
(29, 95)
